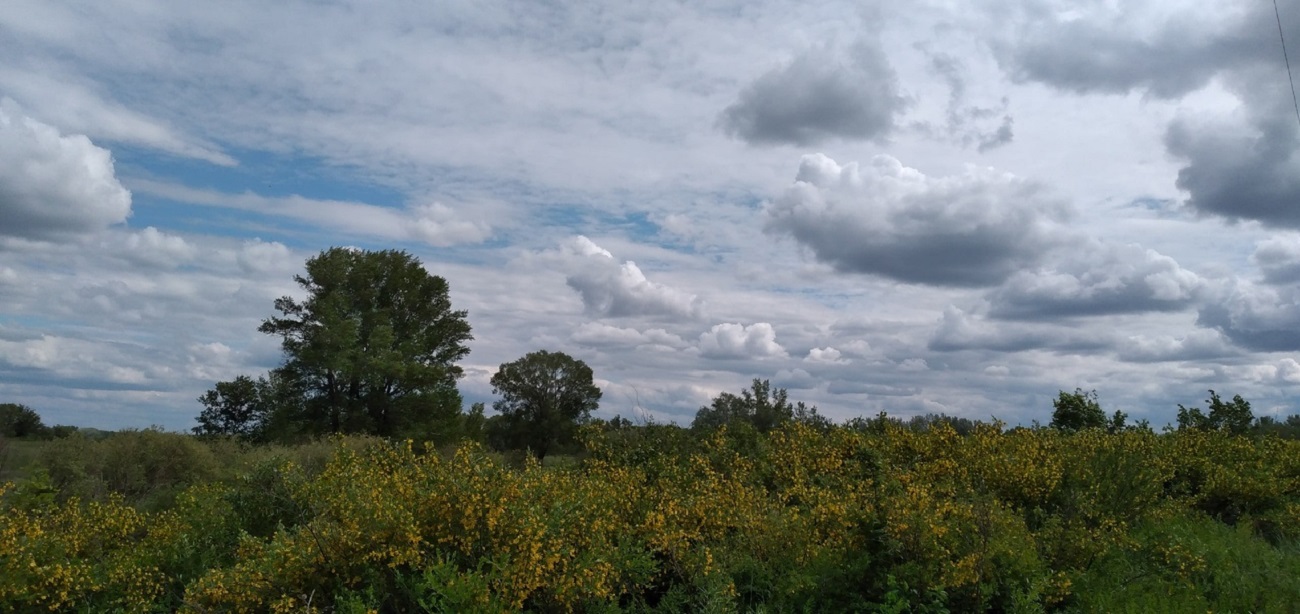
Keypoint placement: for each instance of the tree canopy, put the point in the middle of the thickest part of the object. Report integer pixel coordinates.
(1234, 417)
(1076, 411)
(760, 406)
(544, 397)
(20, 421)
(371, 349)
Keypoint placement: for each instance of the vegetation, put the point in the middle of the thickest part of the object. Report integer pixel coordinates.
(879, 515)
(758, 407)
(544, 397)
(372, 349)
(762, 505)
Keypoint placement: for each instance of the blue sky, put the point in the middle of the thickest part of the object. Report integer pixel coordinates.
(959, 207)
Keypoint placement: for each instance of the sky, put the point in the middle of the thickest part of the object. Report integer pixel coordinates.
(937, 206)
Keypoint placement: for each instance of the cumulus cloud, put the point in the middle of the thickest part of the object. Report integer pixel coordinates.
(1256, 317)
(1240, 166)
(613, 289)
(730, 340)
(1237, 171)
(1278, 258)
(886, 219)
(258, 256)
(52, 184)
(826, 355)
(1098, 279)
(440, 226)
(819, 95)
(156, 248)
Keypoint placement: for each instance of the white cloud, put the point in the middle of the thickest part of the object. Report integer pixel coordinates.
(433, 224)
(440, 226)
(154, 247)
(731, 340)
(258, 256)
(826, 355)
(1098, 278)
(51, 184)
(611, 289)
(599, 334)
(1194, 345)
(73, 105)
(974, 229)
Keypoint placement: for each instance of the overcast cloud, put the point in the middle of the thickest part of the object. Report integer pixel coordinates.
(821, 94)
(933, 207)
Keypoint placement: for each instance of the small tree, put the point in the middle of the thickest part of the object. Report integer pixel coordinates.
(237, 408)
(761, 407)
(1078, 410)
(544, 397)
(1234, 417)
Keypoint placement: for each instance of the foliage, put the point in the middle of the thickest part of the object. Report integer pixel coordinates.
(372, 349)
(1078, 410)
(20, 421)
(760, 406)
(237, 408)
(544, 397)
(656, 518)
(1234, 417)
(146, 468)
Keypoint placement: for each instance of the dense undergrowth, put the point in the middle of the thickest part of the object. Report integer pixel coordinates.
(876, 518)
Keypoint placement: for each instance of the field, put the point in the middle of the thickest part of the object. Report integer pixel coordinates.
(877, 518)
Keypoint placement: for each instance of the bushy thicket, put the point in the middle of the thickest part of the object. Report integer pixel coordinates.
(876, 518)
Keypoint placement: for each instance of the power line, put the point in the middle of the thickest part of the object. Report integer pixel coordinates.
(1294, 101)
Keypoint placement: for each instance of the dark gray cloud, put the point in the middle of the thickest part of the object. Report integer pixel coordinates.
(51, 184)
(1261, 318)
(820, 95)
(970, 230)
(1098, 279)
(1278, 259)
(1241, 172)
(1107, 54)
(1243, 168)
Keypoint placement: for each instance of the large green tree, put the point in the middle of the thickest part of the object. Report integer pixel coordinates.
(372, 348)
(544, 397)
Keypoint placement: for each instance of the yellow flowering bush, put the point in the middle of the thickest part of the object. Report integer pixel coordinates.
(876, 517)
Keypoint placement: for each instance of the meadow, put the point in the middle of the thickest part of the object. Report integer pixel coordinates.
(868, 517)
